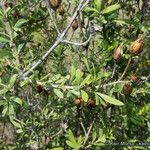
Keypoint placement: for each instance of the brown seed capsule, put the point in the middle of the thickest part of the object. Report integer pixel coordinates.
(127, 89)
(79, 102)
(40, 87)
(136, 47)
(118, 52)
(55, 4)
(75, 25)
(91, 103)
(46, 140)
(134, 77)
(61, 10)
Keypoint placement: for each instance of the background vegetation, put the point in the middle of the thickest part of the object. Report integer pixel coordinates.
(74, 74)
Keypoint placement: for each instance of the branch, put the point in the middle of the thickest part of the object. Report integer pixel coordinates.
(51, 16)
(78, 44)
(82, 4)
(117, 82)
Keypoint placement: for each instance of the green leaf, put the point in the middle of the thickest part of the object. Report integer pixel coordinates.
(120, 22)
(98, 4)
(86, 63)
(71, 137)
(110, 9)
(5, 53)
(56, 77)
(1, 12)
(18, 100)
(77, 93)
(71, 142)
(19, 131)
(20, 22)
(58, 93)
(86, 80)
(2, 24)
(4, 90)
(110, 99)
(7, 11)
(90, 9)
(79, 74)
(20, 46)
(84, 96)
(73, 72)
(13, 80)
(97, 98)
(4, 111)
(3, 40)
(2, 102)
(16, 124)
(79, 141)
(11, 109)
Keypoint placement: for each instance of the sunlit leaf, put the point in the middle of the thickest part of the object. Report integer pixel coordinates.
(84, 96)
(20, 22)
(13, 80)
(86, 80)
(18, 100)
(110, 100)
(79, 74)
(110, 9)
(58, 93)
(98, 4)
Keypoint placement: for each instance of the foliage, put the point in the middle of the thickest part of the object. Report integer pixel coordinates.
(38, 89)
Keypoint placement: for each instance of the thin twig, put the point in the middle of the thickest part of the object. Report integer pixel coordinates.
(117, 82)
(78, 44)
(83, 128)
(125, 70)
(88, 133)
(114, 70)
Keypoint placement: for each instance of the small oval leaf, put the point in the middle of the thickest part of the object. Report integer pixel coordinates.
(58, 93)
(110, 9)
(84, 96)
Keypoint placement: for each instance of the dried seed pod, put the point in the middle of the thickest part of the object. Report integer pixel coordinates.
(127, 89)
(40, 87)
(61, 10)
(137, 46)
(75, 25)
(79, 102)
(55, 4)
(117, 53)
(91, 103)
(134, 77)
